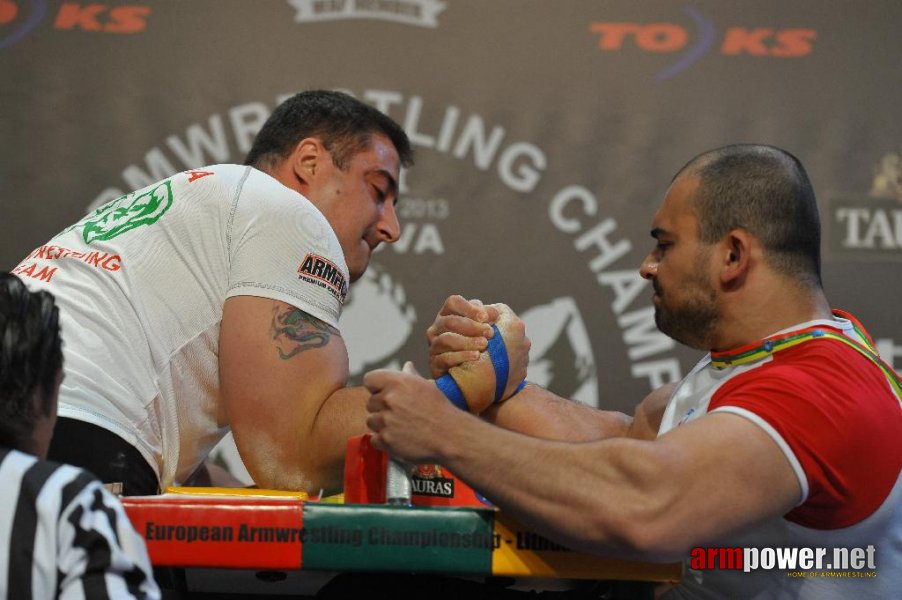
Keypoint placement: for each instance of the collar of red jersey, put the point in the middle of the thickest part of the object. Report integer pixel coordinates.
(787, 339)
(821, 331)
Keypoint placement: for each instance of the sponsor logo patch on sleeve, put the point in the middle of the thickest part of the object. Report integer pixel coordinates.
(324, 273)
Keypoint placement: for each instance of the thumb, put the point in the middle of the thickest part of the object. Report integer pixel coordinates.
(409, 368)
(375, 380)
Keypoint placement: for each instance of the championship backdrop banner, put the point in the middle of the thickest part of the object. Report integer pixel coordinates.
(546, 134)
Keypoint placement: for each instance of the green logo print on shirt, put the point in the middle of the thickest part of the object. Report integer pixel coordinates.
(143, 207)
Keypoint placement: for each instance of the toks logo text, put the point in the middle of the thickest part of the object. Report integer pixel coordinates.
(688, 45)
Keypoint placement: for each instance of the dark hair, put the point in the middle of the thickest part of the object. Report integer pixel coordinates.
(31, 357)
(343, 124)
(766, 191)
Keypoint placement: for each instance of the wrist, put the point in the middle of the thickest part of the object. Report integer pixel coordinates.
(459, 432)
(451, 389)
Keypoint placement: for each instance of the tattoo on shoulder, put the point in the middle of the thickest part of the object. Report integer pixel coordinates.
(295, 331)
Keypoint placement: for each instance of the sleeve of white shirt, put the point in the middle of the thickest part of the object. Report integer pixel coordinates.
(273, 233)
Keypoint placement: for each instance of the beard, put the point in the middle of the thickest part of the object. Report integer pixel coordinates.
(690, 319)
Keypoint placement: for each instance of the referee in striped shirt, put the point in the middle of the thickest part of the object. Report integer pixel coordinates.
(62, 535)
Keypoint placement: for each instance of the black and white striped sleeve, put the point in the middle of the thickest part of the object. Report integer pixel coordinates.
(64, 536)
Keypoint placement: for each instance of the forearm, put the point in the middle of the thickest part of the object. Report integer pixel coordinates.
(538, 412)
(210, 474)
(593, 498)
(305, 451)
(341, 416)
(313, 459)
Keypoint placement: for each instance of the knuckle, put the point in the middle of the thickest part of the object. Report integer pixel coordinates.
(454, 300)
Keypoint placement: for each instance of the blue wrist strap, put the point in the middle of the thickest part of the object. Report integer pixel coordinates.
(452, 391)
(498, 355)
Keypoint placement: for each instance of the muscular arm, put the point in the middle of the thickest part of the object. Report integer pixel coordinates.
(617, 496)
(637, 498)
(540, 413)
(283, 375)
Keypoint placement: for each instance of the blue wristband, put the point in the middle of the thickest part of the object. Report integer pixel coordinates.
(452, 391)
(498, 353)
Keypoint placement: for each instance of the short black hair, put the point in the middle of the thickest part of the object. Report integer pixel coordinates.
(31, 358)
(766, 191)
(344, 124)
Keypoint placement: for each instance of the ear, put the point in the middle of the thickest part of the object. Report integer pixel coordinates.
(306, 159)
(735, 257)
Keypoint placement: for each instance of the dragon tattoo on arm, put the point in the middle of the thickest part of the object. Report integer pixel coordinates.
(295, 331)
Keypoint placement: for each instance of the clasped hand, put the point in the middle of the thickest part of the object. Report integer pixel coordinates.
(408, 413)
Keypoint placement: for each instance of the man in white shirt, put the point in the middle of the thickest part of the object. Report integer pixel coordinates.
(210, 300)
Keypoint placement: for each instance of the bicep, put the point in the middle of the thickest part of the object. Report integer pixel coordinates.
(278, 365)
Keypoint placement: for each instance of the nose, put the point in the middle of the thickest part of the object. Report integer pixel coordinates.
(389, 227)
(649, 268)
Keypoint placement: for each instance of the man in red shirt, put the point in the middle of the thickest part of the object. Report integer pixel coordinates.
(785, 435)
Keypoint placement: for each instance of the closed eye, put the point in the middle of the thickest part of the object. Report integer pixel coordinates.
(661, 247)
(384, 184)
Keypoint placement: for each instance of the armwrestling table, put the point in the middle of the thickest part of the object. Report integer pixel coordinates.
(255, 542)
